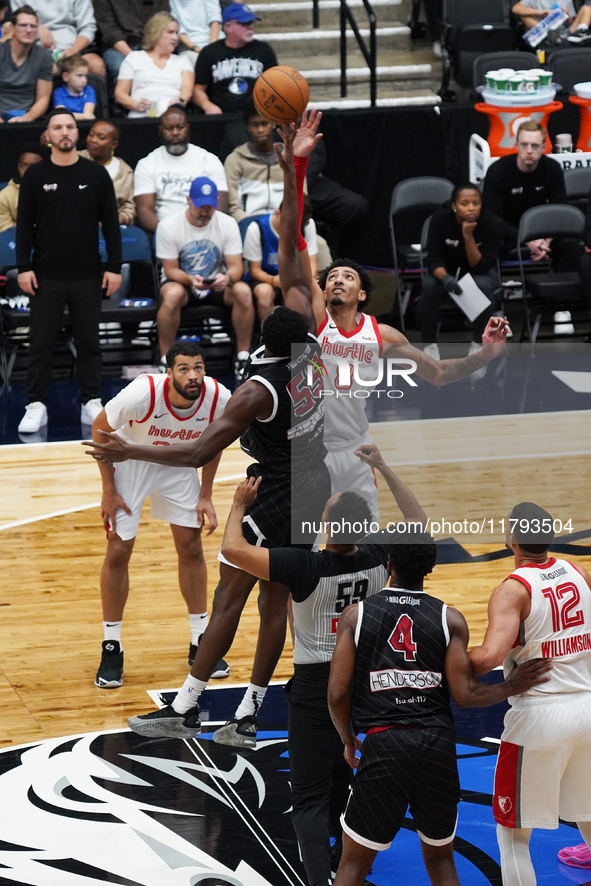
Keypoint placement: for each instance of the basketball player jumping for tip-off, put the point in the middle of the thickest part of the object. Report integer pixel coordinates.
(295, 482)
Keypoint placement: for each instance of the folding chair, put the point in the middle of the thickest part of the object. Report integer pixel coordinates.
(569, 66)
(492, 61)
(578, 186)
(472, 28)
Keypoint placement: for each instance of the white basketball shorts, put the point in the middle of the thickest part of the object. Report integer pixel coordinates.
(349, 474)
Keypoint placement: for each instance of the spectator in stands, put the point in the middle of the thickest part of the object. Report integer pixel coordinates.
(199, 22)
(76, 95)
(226, 71)
(342, 210)
(6, 27)
(62, 201)
(121, 25)
(101, 143)
(30, 153)
(163, 178)
(261, 244)
(529, 178)
(462, 240)
(68, 27)
(532, 11)
(201, 254)
(154, 78)
(25, 71)
(255, 179)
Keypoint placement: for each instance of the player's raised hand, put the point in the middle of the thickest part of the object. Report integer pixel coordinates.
(205, 509)
(113, 450)
(112, 502)
(246, 492)
(370, 455)
(529, 674)
(284, 152)
(494, 337)
(307, 135)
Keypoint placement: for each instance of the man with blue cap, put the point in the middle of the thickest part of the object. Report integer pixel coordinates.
(201, 254)
(227, 70)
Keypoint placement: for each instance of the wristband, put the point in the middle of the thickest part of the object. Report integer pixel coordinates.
(230, 282)
(187, 279)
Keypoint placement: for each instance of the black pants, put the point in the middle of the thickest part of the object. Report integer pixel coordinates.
(83, 298)
(433, 291)
(320, 776)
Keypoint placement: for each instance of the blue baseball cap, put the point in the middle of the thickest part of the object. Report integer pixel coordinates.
(203, 192)
(239, 12)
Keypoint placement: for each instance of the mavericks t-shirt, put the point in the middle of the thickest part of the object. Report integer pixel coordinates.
(229, 75)
(199, 250)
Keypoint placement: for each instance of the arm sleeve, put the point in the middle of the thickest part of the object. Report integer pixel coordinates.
(124, 195)
(111, 33)
(58, 96)
(203, 69)
(301, 164)
(297, 569)
(85, 22)
(493, 192)
(435, 252)
(127, 69)
(186, 64)
(214, 169)
(270, 59)
(556, 183)
(7, 220)
(109, 216)
(45, 66)
(232, 238)
(166, 247)
(252, 249)
(130, 404)
(490, 247)
(213, 12)
(232, 173)
(90, 95)
(223, 397)
(310, 237)
(143, 178)
(25, 223)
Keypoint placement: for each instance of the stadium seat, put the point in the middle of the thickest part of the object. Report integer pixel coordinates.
(492, 61)
(569, 66)
(471, 28)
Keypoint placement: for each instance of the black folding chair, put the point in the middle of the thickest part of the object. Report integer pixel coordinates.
(569, 66)
(472, 28)
(553, 291)
(578, 186)
(492, 61)
(413, 201)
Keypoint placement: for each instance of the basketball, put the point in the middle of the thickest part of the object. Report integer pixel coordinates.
(281, 94)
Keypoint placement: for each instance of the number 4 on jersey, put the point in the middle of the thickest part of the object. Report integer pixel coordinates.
(401, 639)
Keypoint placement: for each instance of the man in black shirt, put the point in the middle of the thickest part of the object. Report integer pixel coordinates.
(62, 201)
(397, 657)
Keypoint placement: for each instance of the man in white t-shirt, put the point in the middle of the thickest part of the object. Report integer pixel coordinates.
(181, 405)
(261, 245)
(201, 254)
(163, 178)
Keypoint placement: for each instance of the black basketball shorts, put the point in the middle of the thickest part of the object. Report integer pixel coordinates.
(402, 768)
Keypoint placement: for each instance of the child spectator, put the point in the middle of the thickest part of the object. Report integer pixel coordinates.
(75, 95)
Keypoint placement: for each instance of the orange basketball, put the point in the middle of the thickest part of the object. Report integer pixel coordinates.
(281, 94)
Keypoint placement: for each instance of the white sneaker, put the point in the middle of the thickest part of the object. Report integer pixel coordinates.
(562, 324)
(34, 418)
(475, 348)
(90, 410)
(432, 351)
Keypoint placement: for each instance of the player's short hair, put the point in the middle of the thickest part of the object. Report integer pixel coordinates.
(34, 148)
(529, 531)
(251, 111)
(72, 62)
(465, 186)
(59, 112)
(23, 10)
(532, 126)
(413, 557)
(350, 510)
(364, 277)
(283, 328)
(186, 348)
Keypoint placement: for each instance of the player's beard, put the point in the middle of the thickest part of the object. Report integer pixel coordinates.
(187, 394)
(336, 301)
(176, 149)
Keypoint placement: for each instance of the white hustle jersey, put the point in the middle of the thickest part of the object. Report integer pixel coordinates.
(558, 627)
(142, 413)
(345, 422)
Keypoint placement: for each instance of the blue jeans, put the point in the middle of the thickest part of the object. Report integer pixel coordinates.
(112, 59)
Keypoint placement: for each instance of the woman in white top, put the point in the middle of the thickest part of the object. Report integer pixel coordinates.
(154, 78)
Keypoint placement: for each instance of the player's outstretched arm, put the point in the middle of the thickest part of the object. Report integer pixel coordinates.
(409, 506)
(339, 684)
(508, 606)
(470, 692)
(249, 402)
(296, 284)
(235, 547)
(444, 372)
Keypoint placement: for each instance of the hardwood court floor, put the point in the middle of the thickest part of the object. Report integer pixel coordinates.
(50, 616)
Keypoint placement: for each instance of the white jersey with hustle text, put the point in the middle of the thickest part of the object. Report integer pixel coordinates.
(558, 627)
(142, 413)
(345, 422)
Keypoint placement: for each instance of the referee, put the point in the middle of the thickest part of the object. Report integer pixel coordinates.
(62, 202)
(322, 584)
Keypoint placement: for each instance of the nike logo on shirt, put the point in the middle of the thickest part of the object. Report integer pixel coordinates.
(82, 186)
(161, 415)
(539, 187)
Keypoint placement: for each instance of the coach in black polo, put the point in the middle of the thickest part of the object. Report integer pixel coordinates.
(61, 205)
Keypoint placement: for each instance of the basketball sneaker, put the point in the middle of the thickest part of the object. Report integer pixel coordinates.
(238, 733)
(576, 856)
(35, 417)
(90, 410)
(110, 672)
(166, 723)
(221, 670)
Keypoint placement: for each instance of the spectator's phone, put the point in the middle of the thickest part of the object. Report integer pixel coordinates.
(208, 280)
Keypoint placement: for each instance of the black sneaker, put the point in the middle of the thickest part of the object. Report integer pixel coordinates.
(238, 733)
(110, 672)
(166, 723)
(221, 670)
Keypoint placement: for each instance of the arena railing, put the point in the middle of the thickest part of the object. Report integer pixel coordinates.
(369, 54)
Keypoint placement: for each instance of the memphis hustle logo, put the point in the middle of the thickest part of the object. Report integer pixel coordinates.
(185, 434)
(116, 808)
